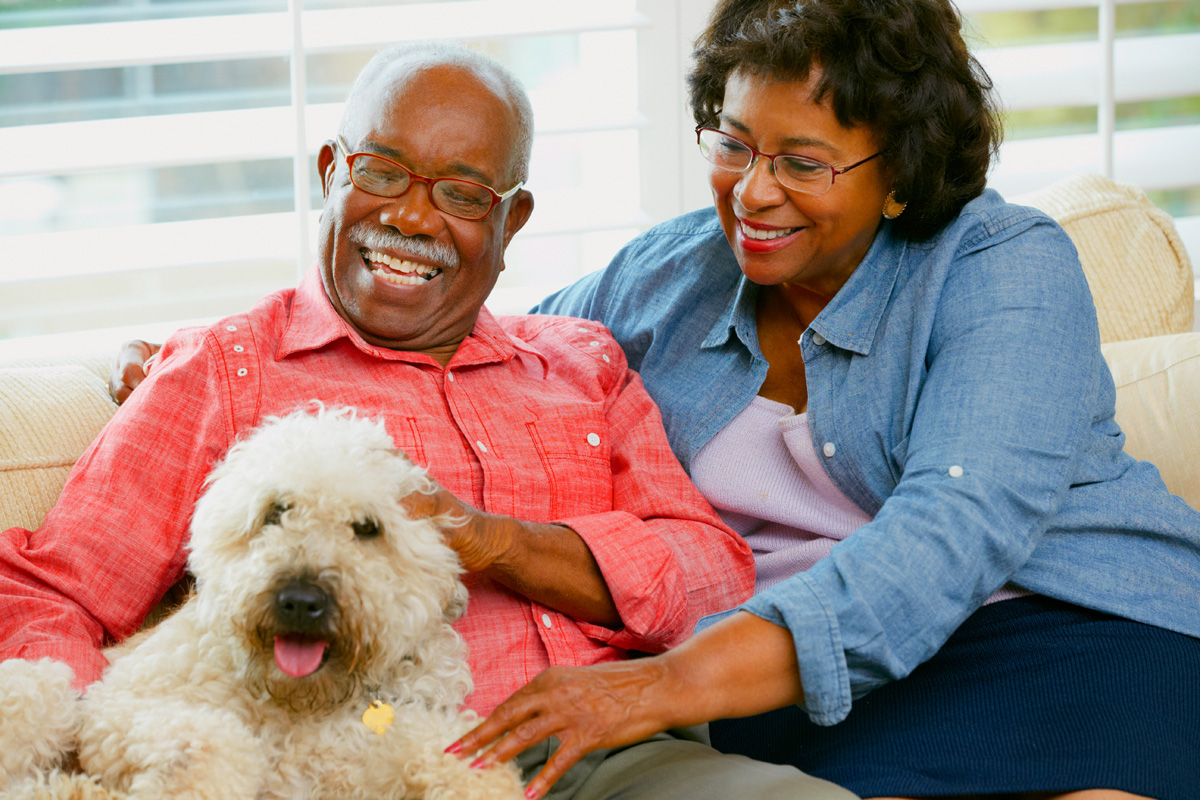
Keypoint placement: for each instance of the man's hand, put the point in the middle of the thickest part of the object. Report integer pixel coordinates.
(131, 368)
(587, 708)
(549, 564)
(480, 540)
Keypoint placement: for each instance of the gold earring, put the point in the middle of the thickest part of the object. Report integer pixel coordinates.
(892, 208)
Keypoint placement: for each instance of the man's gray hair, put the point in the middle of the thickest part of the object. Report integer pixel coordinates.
(434, 53)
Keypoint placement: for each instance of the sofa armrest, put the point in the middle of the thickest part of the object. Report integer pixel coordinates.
(1158, 406)
(48, 417)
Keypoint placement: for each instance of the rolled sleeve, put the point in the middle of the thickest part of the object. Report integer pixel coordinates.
(666, 556)
(798, 605)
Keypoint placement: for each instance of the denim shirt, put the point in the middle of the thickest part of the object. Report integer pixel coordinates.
(957, 394)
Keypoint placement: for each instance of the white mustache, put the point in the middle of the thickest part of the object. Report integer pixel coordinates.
(371, 237)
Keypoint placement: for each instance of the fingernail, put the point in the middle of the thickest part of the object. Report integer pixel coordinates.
(531, 793)
(454, 748)
(478, 763)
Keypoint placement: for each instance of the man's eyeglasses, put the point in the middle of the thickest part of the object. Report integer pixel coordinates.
(383, 177)
(802, 174)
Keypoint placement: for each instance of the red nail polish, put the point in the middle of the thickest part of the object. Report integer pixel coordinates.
(477, 763)
(454, 748)
(531, 793)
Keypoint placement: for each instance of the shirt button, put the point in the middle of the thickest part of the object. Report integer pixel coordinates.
(594, 344)
(237, 348)
(450, 377)
(955, 472)
(607, 360)
(818, 339)
(547, 621)
(593, 440)
(242, 372)
(231, 328)
(829, 449)
(481, 445)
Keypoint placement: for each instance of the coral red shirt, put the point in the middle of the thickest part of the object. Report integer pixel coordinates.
(534, 417)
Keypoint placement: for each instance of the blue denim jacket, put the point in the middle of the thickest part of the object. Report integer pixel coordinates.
(956, 393)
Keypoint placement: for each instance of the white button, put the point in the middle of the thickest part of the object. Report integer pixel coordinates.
(955, 471)
(481, 445)
(594, 344)
(582, 330)
(546, 621)
(829, 449)
(231, 328)
(818, 339)
(593, 440)
(237, 348)
(242, 372)
(450, 377)
(607, 360)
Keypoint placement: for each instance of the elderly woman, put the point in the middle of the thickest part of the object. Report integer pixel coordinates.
(890, 382)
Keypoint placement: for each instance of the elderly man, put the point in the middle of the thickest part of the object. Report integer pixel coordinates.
(589, 540)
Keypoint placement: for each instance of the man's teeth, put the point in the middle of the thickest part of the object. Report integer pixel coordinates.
(414, 273)
(761, 235)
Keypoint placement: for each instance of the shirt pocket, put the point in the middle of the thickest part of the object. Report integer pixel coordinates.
(406, 433)
(572, 445)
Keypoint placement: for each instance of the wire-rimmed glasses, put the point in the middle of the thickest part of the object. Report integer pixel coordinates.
(383, 177)
(803, 174)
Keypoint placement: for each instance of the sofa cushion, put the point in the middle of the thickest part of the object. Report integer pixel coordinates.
(1158, 387)
(50, 415)
(1135, 262)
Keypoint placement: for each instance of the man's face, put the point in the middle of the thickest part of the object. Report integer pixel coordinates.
(406, 275)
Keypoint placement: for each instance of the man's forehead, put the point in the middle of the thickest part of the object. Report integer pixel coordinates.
(438, 104)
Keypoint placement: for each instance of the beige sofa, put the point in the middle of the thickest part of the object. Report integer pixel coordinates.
(50, 409)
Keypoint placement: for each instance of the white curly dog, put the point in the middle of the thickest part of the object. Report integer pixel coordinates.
(315, 658)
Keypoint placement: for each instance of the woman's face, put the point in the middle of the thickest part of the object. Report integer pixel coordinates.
(818, 240)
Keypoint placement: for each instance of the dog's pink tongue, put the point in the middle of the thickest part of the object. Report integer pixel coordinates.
(299, 657)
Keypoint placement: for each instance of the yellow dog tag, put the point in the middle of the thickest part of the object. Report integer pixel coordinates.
(379, 716)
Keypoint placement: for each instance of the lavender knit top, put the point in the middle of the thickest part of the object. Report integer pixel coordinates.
(764, 477)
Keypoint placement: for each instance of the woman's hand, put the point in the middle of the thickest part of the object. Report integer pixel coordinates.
(587, 708)
(741, 666)
(133, 364)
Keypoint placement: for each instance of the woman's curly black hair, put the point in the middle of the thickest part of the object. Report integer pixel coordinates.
(899, 67)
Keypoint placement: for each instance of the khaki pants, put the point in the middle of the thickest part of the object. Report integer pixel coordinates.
(678, 765)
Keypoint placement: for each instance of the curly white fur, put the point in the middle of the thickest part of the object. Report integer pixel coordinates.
(198, 707)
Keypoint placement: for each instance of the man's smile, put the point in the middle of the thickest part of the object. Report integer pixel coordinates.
(396, 270)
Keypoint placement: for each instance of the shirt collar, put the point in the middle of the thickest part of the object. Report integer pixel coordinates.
(852, 316)
(313, 323)
(740, 318)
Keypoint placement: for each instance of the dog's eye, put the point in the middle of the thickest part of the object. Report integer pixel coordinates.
(275, 512)
(366, 529)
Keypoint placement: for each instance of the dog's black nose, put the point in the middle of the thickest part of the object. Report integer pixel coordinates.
(301, 605)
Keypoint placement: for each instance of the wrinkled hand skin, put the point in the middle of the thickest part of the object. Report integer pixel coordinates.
(133, 362)
(587, 708)
(480, 540)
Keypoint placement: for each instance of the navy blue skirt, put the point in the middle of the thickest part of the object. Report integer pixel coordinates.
(1028, 695)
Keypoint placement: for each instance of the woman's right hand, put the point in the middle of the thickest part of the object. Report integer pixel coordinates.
(742, 665)
(132, 366)
(587, 708)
